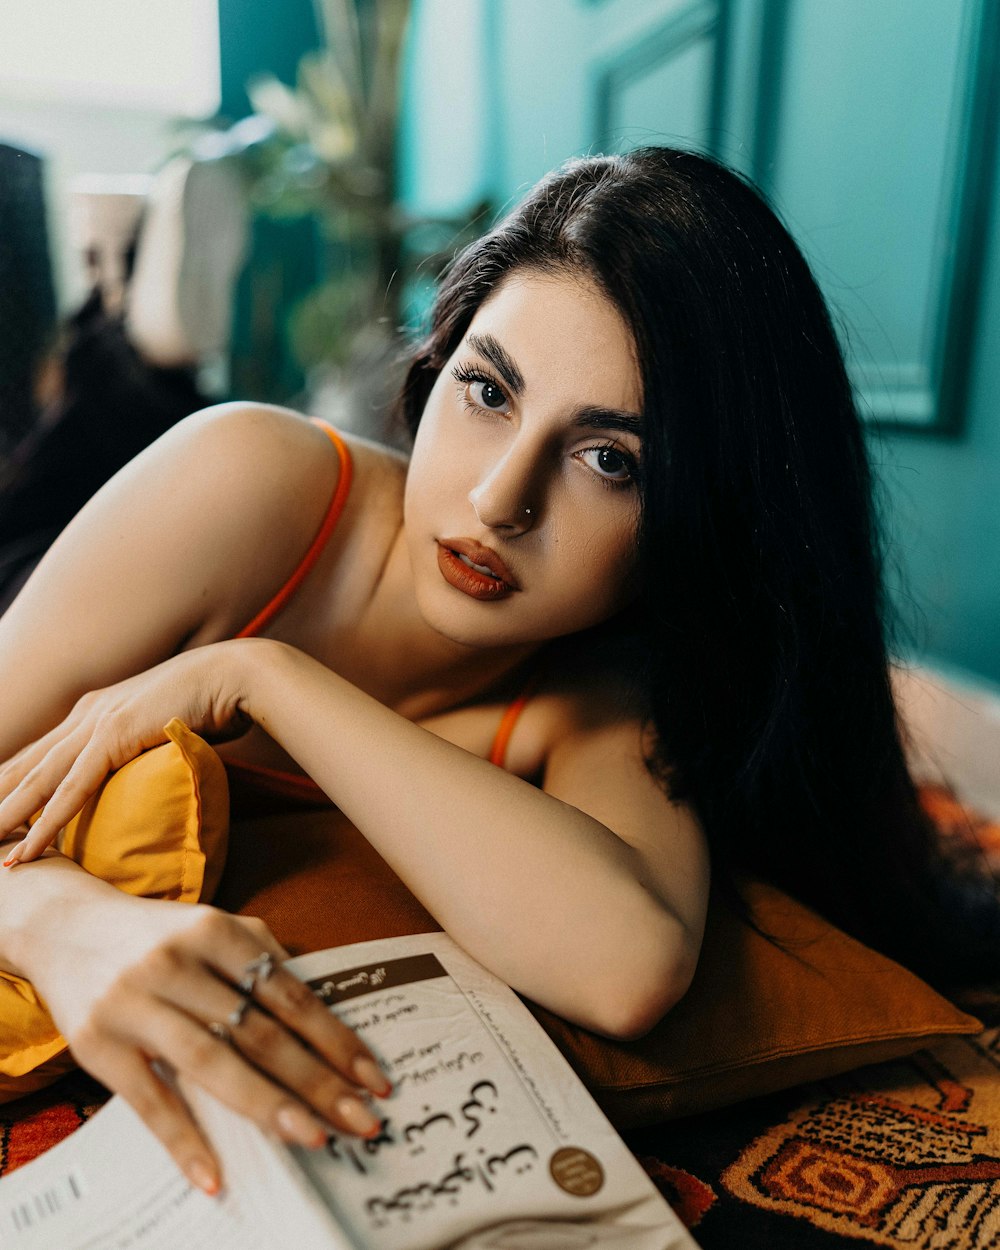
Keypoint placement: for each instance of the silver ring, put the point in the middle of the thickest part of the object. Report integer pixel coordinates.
(258, 969)
(221, 1033)
(235, 1017)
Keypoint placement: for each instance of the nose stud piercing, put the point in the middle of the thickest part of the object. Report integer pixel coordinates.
(527, 512)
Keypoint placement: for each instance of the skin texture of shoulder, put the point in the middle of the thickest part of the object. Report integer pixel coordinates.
(186, 542)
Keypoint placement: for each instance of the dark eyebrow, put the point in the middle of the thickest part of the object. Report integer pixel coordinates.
(488, 347)
(609, 419)
(589, 417)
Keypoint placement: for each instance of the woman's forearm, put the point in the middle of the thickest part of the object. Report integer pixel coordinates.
(546, 896)
(30, 898)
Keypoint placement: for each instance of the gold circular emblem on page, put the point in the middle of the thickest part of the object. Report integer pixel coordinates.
(576, 1171)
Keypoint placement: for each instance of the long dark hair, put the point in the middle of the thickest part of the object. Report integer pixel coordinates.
(762, 610)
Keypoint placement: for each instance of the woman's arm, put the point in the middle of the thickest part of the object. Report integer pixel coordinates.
(185, 543)
(589, 898)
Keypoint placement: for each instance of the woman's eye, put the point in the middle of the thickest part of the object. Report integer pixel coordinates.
(610, 463)
(478, 390)
(487, 395)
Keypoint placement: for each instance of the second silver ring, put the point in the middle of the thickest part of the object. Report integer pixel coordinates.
(235, 1017)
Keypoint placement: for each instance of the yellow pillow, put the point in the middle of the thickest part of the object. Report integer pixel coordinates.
(157, 828)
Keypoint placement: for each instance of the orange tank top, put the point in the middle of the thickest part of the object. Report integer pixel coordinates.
(297, 786)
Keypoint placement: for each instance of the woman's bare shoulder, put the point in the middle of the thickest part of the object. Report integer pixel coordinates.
(573, 690)
(183, 541)
(245, 486)
(242, 445)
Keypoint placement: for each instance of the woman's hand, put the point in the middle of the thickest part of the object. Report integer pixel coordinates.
(109, 727)
(146, 982)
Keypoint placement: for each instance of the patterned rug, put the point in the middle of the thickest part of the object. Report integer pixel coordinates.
(31, 1125)
(904, 1154)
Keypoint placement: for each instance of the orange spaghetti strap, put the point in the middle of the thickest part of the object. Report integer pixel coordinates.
(498, 751)
(266, 614)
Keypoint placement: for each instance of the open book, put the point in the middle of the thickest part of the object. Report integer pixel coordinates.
(489, 1142)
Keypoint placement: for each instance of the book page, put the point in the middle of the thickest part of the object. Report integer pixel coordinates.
(488, 1139)
(112, 1186)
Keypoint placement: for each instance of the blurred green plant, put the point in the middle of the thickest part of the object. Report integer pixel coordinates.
(326, 149)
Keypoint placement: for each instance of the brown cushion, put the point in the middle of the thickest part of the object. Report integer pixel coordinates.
(757, 1018)
(760, 1017)
(316, 882)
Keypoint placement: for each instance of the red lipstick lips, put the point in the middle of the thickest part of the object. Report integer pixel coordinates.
(457, 558)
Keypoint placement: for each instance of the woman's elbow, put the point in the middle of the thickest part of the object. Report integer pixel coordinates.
(638, 1001)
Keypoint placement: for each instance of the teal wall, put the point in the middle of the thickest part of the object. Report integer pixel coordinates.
(451, 134)
(257, 36)
(944, 507)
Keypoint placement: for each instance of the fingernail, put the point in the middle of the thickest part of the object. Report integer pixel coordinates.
(356, 1115)
(370, 1075)
(204, 1177)
(14, 857)
(297, 1123)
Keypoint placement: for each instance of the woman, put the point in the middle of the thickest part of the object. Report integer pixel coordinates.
(638, 483)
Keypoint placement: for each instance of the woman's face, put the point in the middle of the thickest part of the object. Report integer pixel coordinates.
(525, 465)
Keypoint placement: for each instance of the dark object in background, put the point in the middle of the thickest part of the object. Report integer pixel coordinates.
(27, 300)
(110, 406)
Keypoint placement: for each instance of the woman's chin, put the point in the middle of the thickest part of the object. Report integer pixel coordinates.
(474, 624)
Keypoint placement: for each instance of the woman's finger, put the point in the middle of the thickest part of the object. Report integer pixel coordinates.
(253, 963)
(65, 778)
(162, 1110)
(246, 955)
(59, 785)
(14, 770)
(18, 769)
(33, 794)
(211, 1061)
(17, 766)
(292, 1002)
(64, 783)
(234, 1018)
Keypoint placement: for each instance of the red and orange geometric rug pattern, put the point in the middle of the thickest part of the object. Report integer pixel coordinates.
(914, 1163)
(903, 1154)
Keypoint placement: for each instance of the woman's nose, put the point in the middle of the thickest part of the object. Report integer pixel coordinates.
(504, 498)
